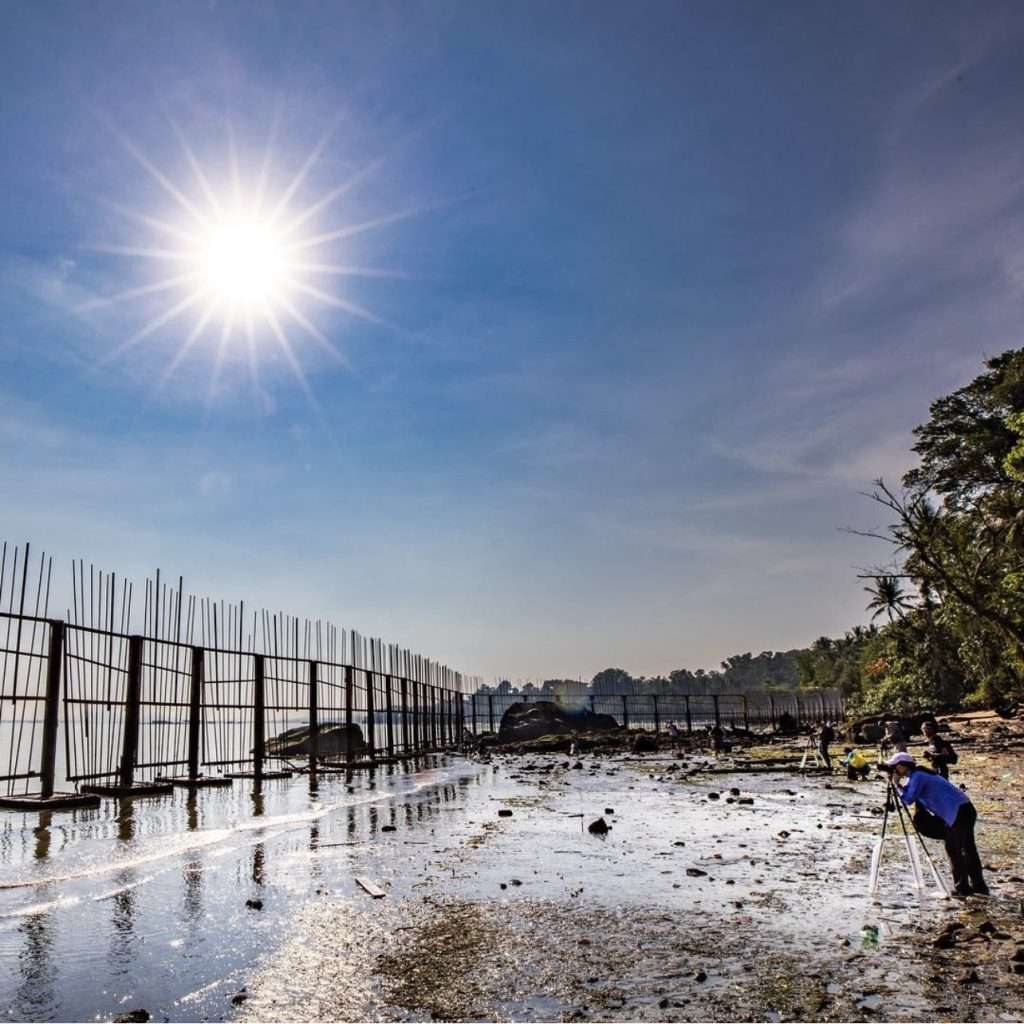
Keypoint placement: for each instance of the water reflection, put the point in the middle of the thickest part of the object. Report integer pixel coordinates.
(175, 874)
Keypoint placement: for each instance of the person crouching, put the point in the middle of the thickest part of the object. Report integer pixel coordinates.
(953, 807)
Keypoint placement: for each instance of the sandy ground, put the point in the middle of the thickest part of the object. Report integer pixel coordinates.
(695, 906)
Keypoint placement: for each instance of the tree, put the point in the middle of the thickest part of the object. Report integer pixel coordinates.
(887, 597)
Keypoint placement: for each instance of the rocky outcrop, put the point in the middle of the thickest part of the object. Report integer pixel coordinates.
(530, 721)
(336, 739)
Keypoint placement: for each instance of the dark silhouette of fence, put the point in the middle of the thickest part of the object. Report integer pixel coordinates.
(656, 712)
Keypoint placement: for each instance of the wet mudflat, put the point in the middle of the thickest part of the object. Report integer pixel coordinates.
(691, 908)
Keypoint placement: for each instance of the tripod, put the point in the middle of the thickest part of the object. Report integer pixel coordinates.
(811, 751)
(893, 802)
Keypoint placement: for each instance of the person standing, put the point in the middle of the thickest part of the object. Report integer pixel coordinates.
(939, 751)
(940, 797)
(825, 737)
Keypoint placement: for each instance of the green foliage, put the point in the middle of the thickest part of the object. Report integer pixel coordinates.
(958, 535)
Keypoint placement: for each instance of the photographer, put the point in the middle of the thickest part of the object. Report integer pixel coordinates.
(954, 809)
(939, 752)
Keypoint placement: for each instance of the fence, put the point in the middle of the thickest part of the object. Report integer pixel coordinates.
(199, 695)
(655, 712)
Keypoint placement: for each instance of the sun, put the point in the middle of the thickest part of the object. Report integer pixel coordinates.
(243, 262)
(249, 267)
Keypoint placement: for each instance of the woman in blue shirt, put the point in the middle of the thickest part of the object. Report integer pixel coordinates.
(952, 805)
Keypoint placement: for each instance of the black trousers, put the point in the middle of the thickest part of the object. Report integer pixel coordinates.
(962, 853)
(823, 750)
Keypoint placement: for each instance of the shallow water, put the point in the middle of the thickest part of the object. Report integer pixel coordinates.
(143, 903)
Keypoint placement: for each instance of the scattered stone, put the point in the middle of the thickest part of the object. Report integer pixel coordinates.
(712, 796)
(695, 872)
(252, 905)
(663, 1004)
(700, 976)
(504, 812)
(609, 810)
(388, 828)
(734, 791)
(679, 842)
(502, 885)
(131, 1017)
(239, 997)
(578, 764)
(599, 827)
(783, 834)
(970, 978)
(749, 800)
(515, 881)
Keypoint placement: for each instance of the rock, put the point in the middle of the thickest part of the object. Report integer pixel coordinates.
(578, 764)
(700, 976)
(609, 810)
(254, 904)
(783, 834)
(599, 827)
(502, 885)
(986, 928)
(335, 738)
(239, 997)
(131, 1017)
(970, 978)
(504, 812)
(532, 720)
(388, 828)
(712, 796)
(679, 842)
(514, 881)
(695, 872)
(663, 1004)
(644, 742)
(749, 800)
(1017, 968)
(734, 791)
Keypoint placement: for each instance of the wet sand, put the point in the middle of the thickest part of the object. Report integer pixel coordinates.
(691, 908)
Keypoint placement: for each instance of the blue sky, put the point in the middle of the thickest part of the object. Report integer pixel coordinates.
(671, 284)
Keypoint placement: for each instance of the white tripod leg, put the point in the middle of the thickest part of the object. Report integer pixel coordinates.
(876, 861)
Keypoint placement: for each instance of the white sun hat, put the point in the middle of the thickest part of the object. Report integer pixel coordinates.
(901, 758)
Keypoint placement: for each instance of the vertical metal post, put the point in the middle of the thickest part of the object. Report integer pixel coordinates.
(689, 720)
(389, 711)
(348, 714)
(718, 717)
(51, 712)
(195, 710)
(593, 701)
(472, 705)
(746, 714)
(490, 709)
(657, 717)
(404, 698)
(314, 719)
(799, 716)
(132, 709)
(371, 727)
(259, 723)
(461, 712)
(625, 713)
(771, 709)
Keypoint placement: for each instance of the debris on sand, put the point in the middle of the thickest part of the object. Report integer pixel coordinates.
(599, 827)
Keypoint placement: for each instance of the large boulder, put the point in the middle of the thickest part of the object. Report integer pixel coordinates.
(530, 721)
(336, 739)
(872, 728)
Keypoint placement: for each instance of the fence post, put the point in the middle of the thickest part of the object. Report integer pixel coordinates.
(593, 701)
(472, 706)
(403, 696)
(490, 709)
(657, 717)
(689, 720)
(771, 709)
(51, 715)
(435, 740)
(625, 713)
(718, 717)
(799, 716)
(389, 710)
(259, 724)
(195, 710)
(132, 708)
(746, 714)
(314, 719)
(371, 728)
(461, 710)
(348, 714)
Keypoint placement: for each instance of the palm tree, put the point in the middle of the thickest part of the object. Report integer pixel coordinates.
(887, 596)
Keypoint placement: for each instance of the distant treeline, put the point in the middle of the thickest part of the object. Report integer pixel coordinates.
(742, 673)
